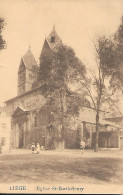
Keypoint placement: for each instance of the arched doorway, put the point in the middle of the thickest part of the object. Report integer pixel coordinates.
(20, 120)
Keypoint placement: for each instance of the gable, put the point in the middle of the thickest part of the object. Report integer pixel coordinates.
(52, 42)
(53, 39)
(19, 111)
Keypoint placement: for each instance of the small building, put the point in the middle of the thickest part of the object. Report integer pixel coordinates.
(110, 133)
(5, 130)
(117, 120)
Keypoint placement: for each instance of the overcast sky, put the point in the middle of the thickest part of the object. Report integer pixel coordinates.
(28, 22)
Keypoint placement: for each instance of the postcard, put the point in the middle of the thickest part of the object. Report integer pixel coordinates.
(61, 96)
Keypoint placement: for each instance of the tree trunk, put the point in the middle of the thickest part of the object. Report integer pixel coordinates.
(97, 132)
(62, 96)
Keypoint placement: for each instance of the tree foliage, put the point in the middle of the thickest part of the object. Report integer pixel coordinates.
(117, 72)
(2, 41)
(58, 67)
(112, 55)
(95, 87)
(109, 58)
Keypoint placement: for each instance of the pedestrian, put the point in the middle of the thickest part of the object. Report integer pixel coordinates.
(38, 148)
(33, 148)
(42, 148)
(82, 145)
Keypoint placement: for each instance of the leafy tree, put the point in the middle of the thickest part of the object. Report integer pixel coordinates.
(57, 69)
(116, 81)
(109, 58)
(96, 86)
(113, 59)
(112, 65)
(2, 41)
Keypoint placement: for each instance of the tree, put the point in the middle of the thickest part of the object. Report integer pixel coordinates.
(57, 69)
(116, 79)
(96, 87)
(113, 65)
(109, 58)
(2, 41)
(113, 52)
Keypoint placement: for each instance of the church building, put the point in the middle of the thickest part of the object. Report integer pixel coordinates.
(29, 120)
(33, 115)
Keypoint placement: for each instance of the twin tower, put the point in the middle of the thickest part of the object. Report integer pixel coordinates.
(28, 68)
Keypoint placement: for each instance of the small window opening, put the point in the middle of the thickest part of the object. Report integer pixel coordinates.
(52, 39)
(3, 140)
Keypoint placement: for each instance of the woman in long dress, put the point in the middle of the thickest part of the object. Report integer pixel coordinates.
(38, 148)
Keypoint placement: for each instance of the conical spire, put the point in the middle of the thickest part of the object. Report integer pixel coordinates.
(29, 59)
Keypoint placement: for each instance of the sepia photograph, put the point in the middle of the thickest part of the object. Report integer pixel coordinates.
(61, 96)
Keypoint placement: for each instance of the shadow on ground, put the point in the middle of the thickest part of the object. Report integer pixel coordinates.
(59, 168)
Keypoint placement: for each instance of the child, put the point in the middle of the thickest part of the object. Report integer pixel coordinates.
(33, 148)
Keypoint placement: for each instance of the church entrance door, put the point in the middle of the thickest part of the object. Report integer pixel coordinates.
(21, 136)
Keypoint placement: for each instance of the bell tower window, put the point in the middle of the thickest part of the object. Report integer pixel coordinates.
(52, 39)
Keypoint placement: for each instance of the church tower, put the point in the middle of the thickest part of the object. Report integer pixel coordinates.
(52, 42)
(27, 72)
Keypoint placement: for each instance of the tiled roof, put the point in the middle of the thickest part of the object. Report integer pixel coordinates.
(29, 60)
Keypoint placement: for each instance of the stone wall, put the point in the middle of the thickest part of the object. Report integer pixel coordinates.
(29, 101)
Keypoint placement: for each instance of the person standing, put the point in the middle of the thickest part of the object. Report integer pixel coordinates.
(38, 148)
(33, 148)
(82, 145)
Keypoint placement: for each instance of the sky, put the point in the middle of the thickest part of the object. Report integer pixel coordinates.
(28, 22)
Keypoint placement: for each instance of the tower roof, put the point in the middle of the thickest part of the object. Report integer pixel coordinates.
(53, 38)
(29, 60)
(53, 41)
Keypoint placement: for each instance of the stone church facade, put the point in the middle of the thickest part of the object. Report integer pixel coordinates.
(30, 111)
(34, 118)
